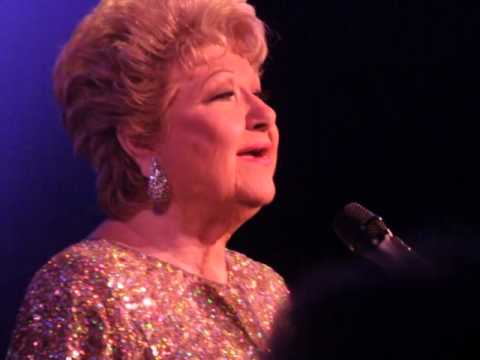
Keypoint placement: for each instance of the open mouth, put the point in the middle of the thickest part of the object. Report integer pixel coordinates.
(256, 153)
(259, 153)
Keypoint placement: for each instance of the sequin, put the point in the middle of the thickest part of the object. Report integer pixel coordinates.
(100, 300)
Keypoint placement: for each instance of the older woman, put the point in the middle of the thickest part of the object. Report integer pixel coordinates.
(164, 98)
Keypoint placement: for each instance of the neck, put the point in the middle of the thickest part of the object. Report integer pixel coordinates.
(196, 244)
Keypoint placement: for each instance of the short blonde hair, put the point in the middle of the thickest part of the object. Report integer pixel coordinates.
(113, 75)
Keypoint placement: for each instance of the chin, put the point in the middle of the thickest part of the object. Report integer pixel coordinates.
(257, 198)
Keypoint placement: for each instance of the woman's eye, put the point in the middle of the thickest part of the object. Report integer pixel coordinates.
(225, 95)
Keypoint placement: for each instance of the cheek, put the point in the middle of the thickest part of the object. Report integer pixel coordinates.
(199, 139)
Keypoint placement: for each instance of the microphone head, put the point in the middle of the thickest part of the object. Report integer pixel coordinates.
(359, 228)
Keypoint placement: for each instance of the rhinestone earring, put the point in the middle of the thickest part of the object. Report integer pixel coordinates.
(157, 183)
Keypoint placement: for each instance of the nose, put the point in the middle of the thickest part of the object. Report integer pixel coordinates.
(260, 116)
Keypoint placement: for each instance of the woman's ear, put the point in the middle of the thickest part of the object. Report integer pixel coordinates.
(140, 154)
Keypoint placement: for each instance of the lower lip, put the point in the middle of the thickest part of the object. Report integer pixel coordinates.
(264, 160)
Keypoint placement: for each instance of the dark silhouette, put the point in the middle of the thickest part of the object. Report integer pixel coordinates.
(358, 310)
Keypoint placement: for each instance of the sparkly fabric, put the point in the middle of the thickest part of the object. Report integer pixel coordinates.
(100, 300)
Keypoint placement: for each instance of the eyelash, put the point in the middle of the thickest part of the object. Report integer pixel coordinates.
(264, 95)
(222, 96)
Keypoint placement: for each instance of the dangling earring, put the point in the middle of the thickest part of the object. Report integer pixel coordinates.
(157, 184)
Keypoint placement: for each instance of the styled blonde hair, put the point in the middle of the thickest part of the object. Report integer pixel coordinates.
(113, 75)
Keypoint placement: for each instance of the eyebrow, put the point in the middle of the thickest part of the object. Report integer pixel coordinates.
(213, 74)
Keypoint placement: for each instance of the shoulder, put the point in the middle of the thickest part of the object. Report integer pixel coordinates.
(256, 275)
(259, 285)
(95, 266)
(73, 272)
(77, 260)
(71, 303)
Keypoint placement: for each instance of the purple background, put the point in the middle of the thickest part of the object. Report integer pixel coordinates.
(379, 98)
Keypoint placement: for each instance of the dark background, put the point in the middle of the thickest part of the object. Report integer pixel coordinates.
(377, 102)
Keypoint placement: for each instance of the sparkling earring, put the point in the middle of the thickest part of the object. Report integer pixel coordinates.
(157, 183)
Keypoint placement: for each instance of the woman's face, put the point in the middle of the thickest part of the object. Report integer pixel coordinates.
(221, 142)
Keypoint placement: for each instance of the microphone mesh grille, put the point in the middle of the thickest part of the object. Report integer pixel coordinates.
(348, 222)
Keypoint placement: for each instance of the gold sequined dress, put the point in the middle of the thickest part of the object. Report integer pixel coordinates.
(100, 300)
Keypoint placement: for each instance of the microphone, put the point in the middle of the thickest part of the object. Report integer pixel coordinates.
(366, 233)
